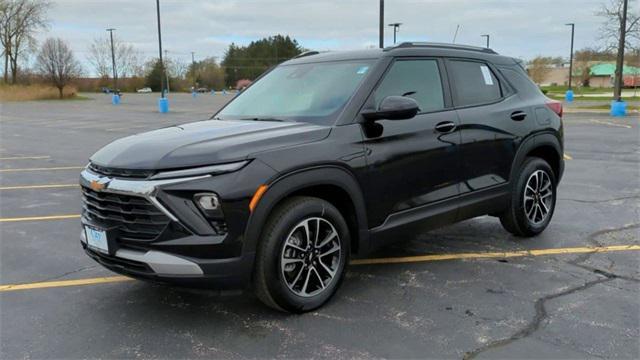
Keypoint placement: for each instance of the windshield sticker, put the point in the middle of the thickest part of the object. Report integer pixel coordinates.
(486, 75)
(362, 70)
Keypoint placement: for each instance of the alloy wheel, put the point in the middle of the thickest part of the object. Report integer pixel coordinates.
(310, 257)
(538, 197)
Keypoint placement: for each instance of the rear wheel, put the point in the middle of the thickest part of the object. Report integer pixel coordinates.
(302, 255)
(533, 199)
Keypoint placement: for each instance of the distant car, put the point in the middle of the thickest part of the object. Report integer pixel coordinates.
(105, 90)
(144, 90)
(202, 90)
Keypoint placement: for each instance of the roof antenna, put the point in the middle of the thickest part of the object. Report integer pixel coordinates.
(456, 34)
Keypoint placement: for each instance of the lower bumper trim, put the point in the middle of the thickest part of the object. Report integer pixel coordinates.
(162, 263)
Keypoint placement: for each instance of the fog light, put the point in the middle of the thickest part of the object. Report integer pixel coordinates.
(207, 201)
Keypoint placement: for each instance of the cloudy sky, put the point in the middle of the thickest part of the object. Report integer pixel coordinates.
(518, 28)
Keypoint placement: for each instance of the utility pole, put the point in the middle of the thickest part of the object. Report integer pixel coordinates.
(573, 26)
(381, 24)
(396, 28)
(486, 36)
(160, 50)
(113, 62)
(617, 90)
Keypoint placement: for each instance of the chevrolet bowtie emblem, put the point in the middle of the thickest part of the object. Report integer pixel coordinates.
(99, 185)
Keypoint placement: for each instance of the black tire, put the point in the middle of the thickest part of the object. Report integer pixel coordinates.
(516, 219)
(272, 282)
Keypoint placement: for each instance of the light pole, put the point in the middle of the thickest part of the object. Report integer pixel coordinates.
(381, 24)
(113, 62)
(166, 58)
(396, 28)
(486, 36)
(163, 104)
(193, 69)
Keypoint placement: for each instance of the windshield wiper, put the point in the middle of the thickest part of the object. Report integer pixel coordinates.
(265, 119)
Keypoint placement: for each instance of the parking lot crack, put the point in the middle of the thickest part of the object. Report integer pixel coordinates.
(56, 277)
(540, 315)
(602, 200)
(540, 311)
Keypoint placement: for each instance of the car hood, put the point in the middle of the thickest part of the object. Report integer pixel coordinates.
(204, 143)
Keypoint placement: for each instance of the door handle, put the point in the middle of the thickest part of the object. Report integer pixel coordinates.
(518, 115)
(445, 127)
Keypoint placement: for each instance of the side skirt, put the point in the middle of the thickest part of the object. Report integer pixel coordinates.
(406, 224)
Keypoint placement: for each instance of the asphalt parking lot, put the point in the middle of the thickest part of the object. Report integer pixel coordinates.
(466, 291)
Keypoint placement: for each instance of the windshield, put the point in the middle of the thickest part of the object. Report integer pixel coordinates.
(313, 93)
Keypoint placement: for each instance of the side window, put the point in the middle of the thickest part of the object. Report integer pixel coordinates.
(473, 83)
(418, 79)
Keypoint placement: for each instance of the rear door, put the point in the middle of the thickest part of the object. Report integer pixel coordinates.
(491, 123)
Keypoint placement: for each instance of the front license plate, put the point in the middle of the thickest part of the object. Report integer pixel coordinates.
(97, 239)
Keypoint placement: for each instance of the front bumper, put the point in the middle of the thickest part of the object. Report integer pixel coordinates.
(155, 234)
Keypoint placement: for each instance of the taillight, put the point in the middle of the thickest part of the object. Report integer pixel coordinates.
(555, 106)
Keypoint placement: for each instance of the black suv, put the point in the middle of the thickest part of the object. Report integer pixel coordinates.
(326, 157)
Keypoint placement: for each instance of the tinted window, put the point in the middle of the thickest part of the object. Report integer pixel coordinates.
(474, 83)
(418, 79)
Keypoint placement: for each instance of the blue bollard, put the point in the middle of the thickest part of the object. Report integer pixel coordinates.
(224, 92)
(194, 94)
(213, 92)
(115, 99)
(618, 108)
(569, 96)
(163, 105)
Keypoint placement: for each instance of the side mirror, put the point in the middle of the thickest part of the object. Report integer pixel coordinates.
(394, 108)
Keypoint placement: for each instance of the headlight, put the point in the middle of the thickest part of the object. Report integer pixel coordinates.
(204, 170)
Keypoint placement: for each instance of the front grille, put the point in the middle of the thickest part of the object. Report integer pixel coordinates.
(136, 218)
(122, 173)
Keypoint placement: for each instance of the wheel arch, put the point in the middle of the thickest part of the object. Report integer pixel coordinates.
(331, 183)
(545, 146)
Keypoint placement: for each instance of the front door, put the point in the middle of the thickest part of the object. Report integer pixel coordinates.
(411, 163)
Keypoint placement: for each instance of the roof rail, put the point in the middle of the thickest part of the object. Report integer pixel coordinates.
(434, 45)
(306, 53)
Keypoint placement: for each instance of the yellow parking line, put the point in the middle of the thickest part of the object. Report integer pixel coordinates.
(396, 260)
(489, 255)
(40, 218)
(24, 157)
(55, 284)
(44, 169)
(48, 186)
(567, 157)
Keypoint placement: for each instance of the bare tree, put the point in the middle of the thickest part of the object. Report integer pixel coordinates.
(621, 29)
(57, 63)
(611, 12)
(19, 21)
(539, 68)
(128, 59)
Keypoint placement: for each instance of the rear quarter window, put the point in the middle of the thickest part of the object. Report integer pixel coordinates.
(521, 81)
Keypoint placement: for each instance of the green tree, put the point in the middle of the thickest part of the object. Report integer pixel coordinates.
(249, 62)
(206, 73)
(153, 77)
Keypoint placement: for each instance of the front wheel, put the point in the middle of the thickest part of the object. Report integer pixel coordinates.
(533, 199)
(302, 255)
